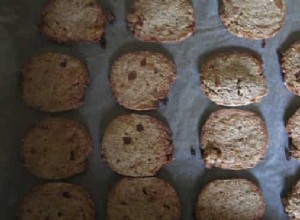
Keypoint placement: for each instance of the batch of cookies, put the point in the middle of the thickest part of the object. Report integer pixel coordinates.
(136, 145)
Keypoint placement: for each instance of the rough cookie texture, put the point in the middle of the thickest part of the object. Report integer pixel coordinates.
(73, 21)
(291, 68)
(57, 201)
(54, 82)
(139, 80)
(161, 20)
(56, 148)
(233, 139)
(291, 203)
(293, 129)
(143, 198)
(256, 19)
(137, 145)
(231, 199)
(233, 78)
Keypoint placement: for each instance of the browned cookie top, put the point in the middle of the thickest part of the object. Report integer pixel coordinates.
(56, 148)
(293, 129)
(161, 20)
(54, 82)
(233, 139)
(143, 198)
(231, 199)
(291, 68)
(291, 203)
(256, 19)
(59, 201)
(139, 80)
(73, 21)
(233, 78)
(136, 145)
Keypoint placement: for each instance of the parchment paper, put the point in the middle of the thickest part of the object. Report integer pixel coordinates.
(186, 110)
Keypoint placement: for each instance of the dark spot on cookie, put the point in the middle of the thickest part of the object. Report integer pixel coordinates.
(132, 75)
(103, 42)
(72, 155)
(126, 140)
(123, 203)
(59, 214)
(47, 217)
(139, 127)
(91, 4)
(145, 191)
(110, 17)
(144, 62)
(297, 75)
(32, 151)
(126, 217)
(64, 63)
(263, 43)
(155, 70)
(66, 195)
(193, 151)
(166, 206)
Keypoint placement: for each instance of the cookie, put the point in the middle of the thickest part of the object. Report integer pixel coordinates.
(140, 80)
(233, 78)
(54, 82)
(56, 148)
(70, 21)
(231, 199)
(290, 64)
(143, 198)
(136, 145)
(293, 129)
(57, 201)
(256, 19)
(233, 139)
(161, 20)
(291, 203)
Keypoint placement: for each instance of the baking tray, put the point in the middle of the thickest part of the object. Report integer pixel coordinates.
(186, 110)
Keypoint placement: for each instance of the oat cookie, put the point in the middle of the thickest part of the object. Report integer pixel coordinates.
(161, 20)
(54, 82)
(56, 148)
(231, 199)
(57, 201)
(255, 19)
(141, 79)
(233, 78)
(137, 145)
(143, 198)
(233, 139)
(70, 21)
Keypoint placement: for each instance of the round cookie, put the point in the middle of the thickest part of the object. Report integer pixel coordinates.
(54, 82)
(143, 198)
(231, 199)
(70, 21)
(233, 139)
(139, 80)
(161, 21)
(56, 148)
(57, 201)
(137, 145)
(291, 203)
(291, 68)
(233, 78)
(255, 19)
(293, 129)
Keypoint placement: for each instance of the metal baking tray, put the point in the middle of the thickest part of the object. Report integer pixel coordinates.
(186, 110)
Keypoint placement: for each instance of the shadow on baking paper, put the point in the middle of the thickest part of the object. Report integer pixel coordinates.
(291, 108)
(289, 182)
